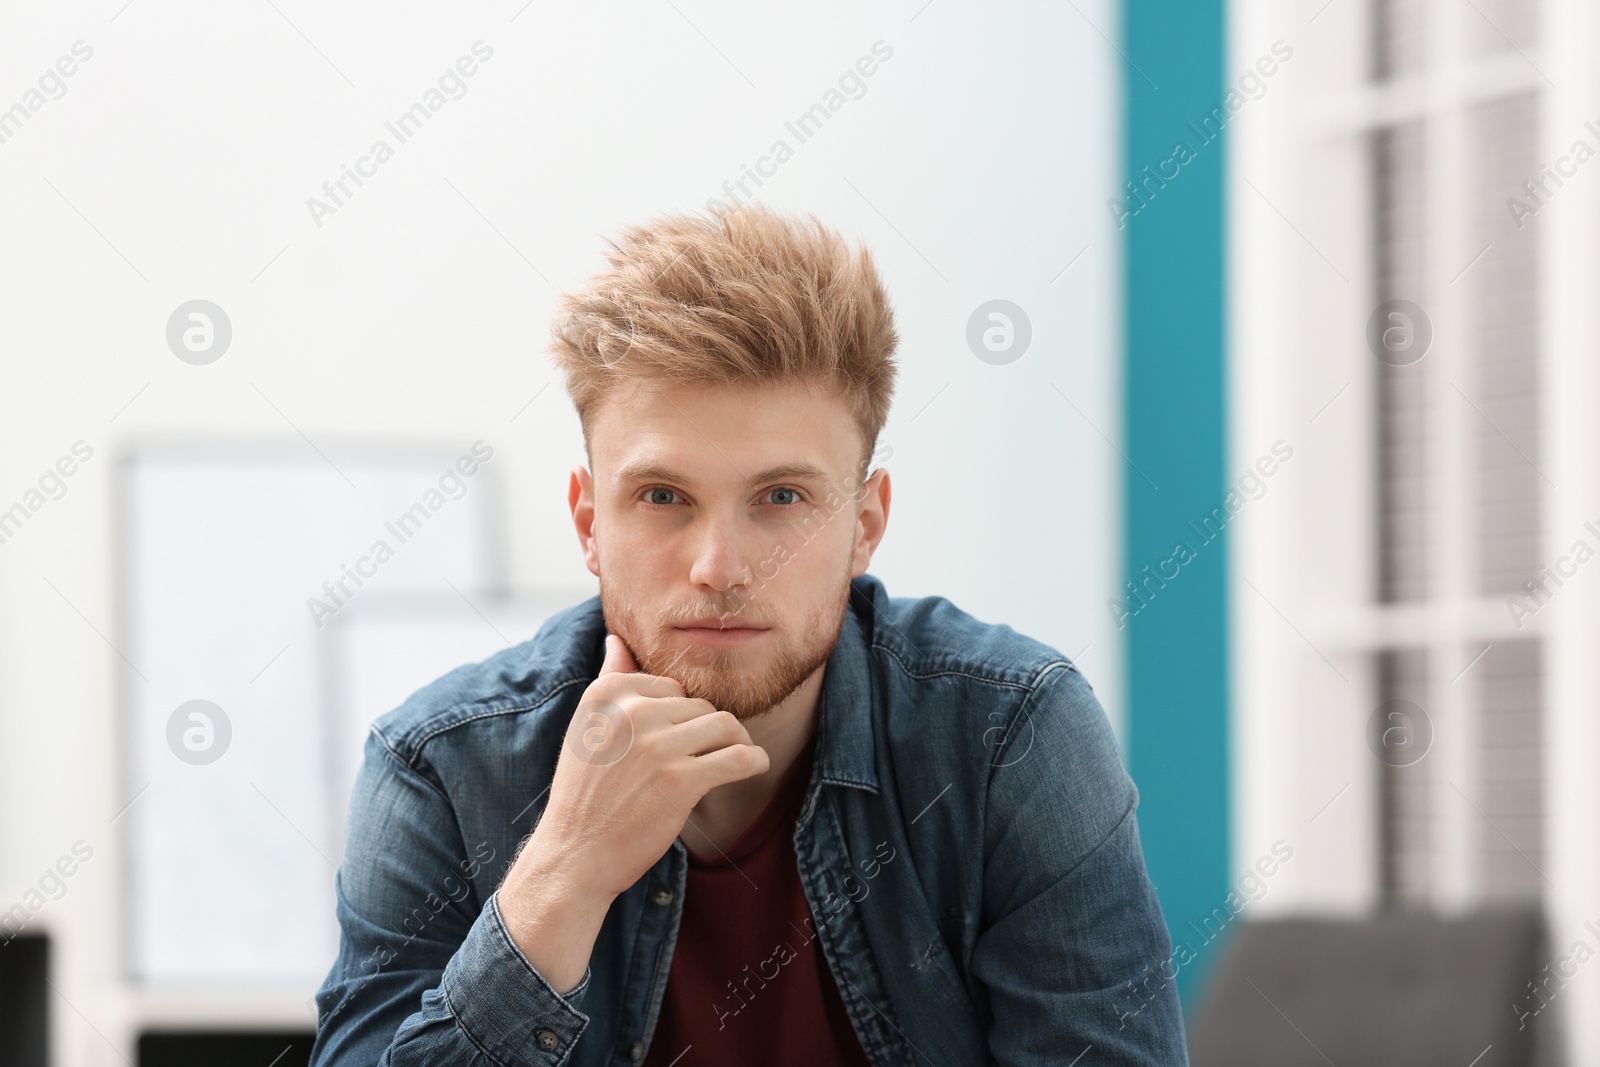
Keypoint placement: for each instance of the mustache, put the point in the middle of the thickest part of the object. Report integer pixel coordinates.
(739, 612)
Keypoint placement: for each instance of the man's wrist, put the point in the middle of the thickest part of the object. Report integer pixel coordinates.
(553, 920)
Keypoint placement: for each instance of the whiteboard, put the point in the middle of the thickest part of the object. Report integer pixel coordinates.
(232, 841)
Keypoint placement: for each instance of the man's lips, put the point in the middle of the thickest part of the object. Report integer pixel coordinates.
(713, 622)
(715, 632)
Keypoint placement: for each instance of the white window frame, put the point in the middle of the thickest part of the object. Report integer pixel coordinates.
(1302, 563)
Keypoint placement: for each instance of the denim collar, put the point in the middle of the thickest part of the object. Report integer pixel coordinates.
(846, 749)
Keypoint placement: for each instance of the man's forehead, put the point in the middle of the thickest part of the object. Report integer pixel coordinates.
(742, 430)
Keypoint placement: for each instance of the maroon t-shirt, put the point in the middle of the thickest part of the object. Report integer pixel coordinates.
(749, 982)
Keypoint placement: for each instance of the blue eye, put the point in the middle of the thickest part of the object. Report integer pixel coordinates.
(785, 489)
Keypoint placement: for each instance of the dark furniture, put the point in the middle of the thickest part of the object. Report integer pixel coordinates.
(193, 1048)
(1398, 989)
(24, 1000)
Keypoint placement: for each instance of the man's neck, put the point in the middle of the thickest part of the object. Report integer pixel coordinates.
(728, 810)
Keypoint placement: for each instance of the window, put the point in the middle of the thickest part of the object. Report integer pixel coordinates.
(1374, 231)
(1429, 550)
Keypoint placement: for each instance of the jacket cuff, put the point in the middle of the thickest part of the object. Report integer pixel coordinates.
(503, 1004)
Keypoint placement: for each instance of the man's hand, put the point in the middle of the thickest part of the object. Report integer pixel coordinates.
(638, 757)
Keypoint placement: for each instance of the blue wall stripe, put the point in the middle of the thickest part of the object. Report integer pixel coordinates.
(1175, 610)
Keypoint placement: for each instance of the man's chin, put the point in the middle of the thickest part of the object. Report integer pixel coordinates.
(683, 658)
(751, 693)
(725, 693)
(736, 689)
(749, 677)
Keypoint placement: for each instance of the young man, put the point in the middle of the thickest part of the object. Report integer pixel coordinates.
(743, 807)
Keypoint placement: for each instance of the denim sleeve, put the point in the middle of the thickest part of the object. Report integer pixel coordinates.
(1072, 949)
(423, 975)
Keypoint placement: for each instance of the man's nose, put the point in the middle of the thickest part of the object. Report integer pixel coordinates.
(719, 559)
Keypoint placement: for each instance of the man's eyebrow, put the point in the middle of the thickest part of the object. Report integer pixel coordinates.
(797, 472)
(783, 471)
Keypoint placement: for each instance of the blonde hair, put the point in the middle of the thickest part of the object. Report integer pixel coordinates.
(743, 296)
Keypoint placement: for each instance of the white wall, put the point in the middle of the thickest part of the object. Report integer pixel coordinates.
(178, 165)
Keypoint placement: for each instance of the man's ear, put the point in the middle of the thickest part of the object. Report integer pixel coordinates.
(580, 498)
(872, 521)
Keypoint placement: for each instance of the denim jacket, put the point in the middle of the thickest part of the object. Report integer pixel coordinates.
(967, 845)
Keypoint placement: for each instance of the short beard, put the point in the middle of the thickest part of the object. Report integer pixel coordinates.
(714, 674)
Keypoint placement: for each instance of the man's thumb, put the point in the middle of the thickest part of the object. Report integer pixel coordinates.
(618, 658)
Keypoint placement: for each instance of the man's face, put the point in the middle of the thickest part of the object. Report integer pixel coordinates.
(739, 504)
